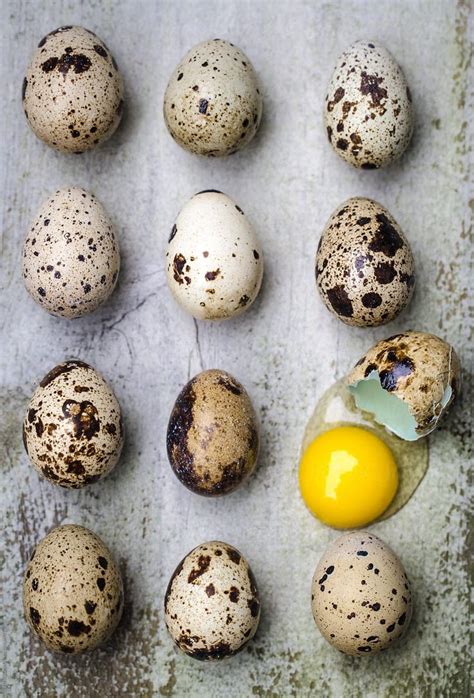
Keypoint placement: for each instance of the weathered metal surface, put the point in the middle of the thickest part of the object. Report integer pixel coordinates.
(286, 350)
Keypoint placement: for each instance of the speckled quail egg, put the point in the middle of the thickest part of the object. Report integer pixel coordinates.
(72, 429)
(365, 271)
(212, 437)
(361, 598)
(212, 606)
(214, 259)
(212, 104)
(71, 257)
(73, 91)
(72, 590)
(368, 110)
(407, 382)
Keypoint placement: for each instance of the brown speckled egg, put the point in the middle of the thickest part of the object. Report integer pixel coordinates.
(214, 259)
(73, 430)
(212, 104)
(71, 257)
(361, 597)
(212, 437)
(73, 91)
(72, 590)
(407, 382)
(368, 110)
(212, 606)
(365, 272)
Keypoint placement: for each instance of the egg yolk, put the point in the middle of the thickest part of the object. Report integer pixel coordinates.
(348, 477)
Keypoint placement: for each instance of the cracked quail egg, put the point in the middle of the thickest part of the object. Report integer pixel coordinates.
(72, 430)
(72, 590)
(360, 594)
(365, 271)
(212, 606)
(214, 259)
(368, 109)
(71, 257)
(73, 91)
(212, 436)
(407, 382)
(212, 104)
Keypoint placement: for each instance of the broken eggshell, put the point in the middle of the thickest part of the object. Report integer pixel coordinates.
(407, 382)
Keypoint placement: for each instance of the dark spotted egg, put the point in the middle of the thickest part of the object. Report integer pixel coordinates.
(360, 595)
(212, 606)
(73, 91)
(408, 382)
(71, 257)
(212, 437)
(214, 259)
(212, 104)
(365, 271)
(72, 590)
(368, 110)
(72, 429)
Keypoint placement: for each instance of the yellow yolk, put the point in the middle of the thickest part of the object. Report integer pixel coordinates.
(348, 477)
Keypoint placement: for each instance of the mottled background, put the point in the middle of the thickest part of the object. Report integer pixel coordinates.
(286, 350)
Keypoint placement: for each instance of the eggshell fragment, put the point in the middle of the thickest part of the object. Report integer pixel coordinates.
(212, 437)
(73, 91)
(361, 598)
(71, 257)
(368, 108)
(72, 591)
(212, 104)
(214, 259)
(72, 429)
(212, 606)
(365, 271)
(407, 382)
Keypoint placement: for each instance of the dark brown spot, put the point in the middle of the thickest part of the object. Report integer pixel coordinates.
(254, 606)
(385, 272)
(35, 616)
(65, 367)
(101, 583)
(103, 562)
(84, 417)
(234, 594)
(23, 88)
(218, 651)
(210, 590)
(342, 144)
(90, 607)
(371, 85)
(338, 95)
(363, 220)
(111, 429)
(230, 385)
(243, 301)
(203, 104)
(371, 300)
(77, 627)
(203, 564)
(212, 275)
(100, 50)
(179, 263)
(340, 301)
(399, 368)
(174, 230)
(234, 555)
(386, 239)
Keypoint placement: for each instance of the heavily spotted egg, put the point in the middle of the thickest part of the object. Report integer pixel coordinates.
(72, 590)
(72, 429)
(73, 91)
(368, 109)
(212, 605)
(365, 271)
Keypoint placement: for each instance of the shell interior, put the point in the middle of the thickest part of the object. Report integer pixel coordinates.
(387, 408)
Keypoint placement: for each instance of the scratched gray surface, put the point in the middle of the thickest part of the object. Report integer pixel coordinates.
(287, 349)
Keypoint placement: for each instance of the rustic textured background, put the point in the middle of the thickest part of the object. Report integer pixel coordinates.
(286, 350)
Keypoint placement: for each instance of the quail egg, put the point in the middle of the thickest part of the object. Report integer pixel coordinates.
(214, 259)
(212, 437)
(73, 91)
(407, 382)
(368, 109)
(361, 597)
(71, 257)
(72, 429)
(365, 271)
(212, 104)
(212, 606)
(72, 590)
